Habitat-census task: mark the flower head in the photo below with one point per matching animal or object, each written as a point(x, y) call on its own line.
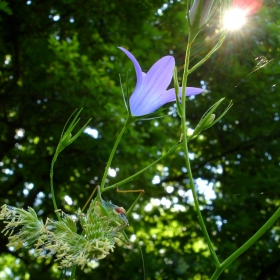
point(26, 224)
point(60, 238)
point(150, 91)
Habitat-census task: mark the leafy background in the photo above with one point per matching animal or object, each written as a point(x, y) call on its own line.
point(57, 56)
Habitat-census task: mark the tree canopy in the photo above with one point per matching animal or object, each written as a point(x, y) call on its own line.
point(61, 55)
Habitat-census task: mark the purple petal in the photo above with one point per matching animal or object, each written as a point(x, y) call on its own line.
point(149, 106)
point(153, 87)
point(139, 73)
point(190, 91)
point(161, 99)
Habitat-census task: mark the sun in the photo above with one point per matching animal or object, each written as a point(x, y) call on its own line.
point(234, 19)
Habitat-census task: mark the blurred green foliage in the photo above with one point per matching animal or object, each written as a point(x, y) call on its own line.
point(57, 56)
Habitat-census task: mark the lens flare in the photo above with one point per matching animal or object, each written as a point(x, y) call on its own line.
point(250, 6)
point(234, 19)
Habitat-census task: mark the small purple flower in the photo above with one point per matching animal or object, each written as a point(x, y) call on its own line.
point(150, 91)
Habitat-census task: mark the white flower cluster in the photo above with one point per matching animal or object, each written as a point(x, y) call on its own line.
point(31, 226)
point(61, 238)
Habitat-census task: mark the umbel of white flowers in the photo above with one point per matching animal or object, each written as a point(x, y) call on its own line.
point(60, 238)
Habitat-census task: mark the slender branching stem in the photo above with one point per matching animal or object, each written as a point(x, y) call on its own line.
point(246, 245)
point(73, 272)
point(171, 150)
point(52, 188)
point(126, 124)
point(185, 147)
point(206, 57)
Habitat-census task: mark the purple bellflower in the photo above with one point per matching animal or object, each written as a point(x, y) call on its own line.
point(150, 91)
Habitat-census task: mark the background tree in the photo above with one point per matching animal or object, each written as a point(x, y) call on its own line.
point(60, 55)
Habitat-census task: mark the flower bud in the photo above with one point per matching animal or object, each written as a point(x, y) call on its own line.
point(209, 119)
point(66, 138)
point(199, 13)
point(204, 123)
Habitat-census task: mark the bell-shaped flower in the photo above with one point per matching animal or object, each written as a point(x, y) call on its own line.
point(150, 91)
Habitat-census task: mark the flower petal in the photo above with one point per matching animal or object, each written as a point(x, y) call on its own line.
point(165, 97)
point(153, 86)
point(137, 67)
point(190, 91)
point(148, 106)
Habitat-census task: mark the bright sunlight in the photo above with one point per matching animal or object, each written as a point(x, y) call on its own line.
point(234, 19)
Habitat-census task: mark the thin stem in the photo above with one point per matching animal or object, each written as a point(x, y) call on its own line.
point(216, 47)
point(73, 272)
point(89, 199)
point(172, 149)
point(126, 124)
point(246, 245)
point(52, 188)
point(188, 165)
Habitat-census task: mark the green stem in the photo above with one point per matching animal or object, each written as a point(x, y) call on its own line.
point(216, 47)
point(52, 188)
point(246, 245)
point(188, 165)
point(126, 124)
point(73, 272)
point(172, 149)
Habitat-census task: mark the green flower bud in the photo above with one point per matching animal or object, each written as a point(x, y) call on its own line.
point(209, 119)
point(66, 138)
point(200, 12)
point(204, 124)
